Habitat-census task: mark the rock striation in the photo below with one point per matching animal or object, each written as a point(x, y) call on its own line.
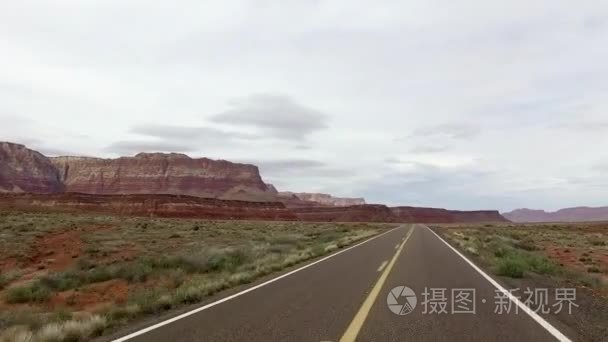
point(160, 173)
point(25, 170)
point(147, 205)
point(437, 215)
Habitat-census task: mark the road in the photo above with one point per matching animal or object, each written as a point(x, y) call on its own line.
point(344, 298)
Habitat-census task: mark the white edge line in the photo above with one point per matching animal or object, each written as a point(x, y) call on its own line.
point(205, 307)
point(551, 329)
point(382, 265)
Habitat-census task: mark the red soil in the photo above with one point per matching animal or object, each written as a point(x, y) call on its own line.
point(56, 251)
point(92, 296)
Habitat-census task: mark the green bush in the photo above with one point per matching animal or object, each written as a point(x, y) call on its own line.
point(511, 267)
point(35, 292)
point(541, 265)
point(515, 263)
point(228, 260)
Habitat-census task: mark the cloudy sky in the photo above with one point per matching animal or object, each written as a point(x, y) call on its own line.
point(462, 104)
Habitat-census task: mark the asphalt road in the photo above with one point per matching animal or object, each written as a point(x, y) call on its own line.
point(344, 298)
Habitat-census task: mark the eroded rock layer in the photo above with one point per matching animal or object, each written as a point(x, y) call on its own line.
point(25, 170)
point(160, 173)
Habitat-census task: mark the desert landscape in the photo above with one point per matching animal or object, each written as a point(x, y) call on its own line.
point(89, 245)
point(326, 171)
point(540, 255)
point(71, 277)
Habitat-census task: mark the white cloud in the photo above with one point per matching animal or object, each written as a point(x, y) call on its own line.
point(278, 115)
point(515, 88)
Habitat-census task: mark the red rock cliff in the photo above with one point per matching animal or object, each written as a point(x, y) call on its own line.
point(25, 170)
point(437, 215)
point(160, 173)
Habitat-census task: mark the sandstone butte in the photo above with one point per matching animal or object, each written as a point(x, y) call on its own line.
point(162, 173)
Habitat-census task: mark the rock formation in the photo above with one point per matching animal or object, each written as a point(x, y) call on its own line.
point(171, 184)
point(25, 170)
point(437, 215)
point(160, 173)
point(323, 199)
point(578, 214)
point(147, 205)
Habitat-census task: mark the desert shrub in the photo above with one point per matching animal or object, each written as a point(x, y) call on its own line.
point(188, 294)
point(285, 239)
point(34, 292)
point(526, 244)
point(193, 263)
point(597, 241)
point(73, 330)
point(500, 249)
point(330, 248)
point(515, 263)
point(7, 277)
point(541, 265)
point(329, 236)
point(227, 260)
point(152, 301)
point(124, 313)
point(16, 334)
point(138, 271)
point(62, 281)
point(593, 269)
point(318, 249)
point(241, 278)
point(511, 267)
point(99, 274)
point(280, 248)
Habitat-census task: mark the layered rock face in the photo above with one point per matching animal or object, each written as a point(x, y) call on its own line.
point(355, 213)
point(437, 215)
point(578, 214)
point(324, 199)
point(160, 173)
point(147, 205)
point(25, 170)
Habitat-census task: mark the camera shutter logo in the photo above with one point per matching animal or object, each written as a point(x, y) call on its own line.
point(401, 300)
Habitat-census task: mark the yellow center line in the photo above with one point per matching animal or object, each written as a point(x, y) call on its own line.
point(351, 333)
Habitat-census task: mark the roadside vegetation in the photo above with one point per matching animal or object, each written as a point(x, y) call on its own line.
point(67, 277)
point(576, 253)
point(546, 256)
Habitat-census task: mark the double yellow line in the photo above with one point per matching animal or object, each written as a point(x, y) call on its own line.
point(355, 326)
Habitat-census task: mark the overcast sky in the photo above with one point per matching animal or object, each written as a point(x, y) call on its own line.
point(460, 104)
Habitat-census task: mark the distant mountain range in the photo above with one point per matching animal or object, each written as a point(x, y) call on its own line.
point(577, 214)
point(176, 185)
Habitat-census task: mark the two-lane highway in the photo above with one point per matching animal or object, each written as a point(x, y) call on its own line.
point(344, 297)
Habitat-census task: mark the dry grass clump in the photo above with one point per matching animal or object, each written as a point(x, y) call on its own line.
point(68, 331)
